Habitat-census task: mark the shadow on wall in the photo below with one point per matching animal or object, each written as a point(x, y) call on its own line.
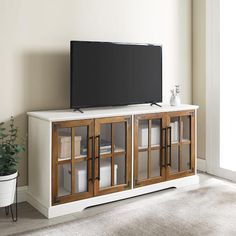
point(45, 85)
point(46, 80)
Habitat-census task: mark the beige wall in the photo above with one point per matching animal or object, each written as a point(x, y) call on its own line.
point(34, 47)
point(199, 70)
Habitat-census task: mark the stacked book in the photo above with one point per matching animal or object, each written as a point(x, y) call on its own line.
point(143, 135)
point(174, 131)
point(65, 147)
point(105, 147)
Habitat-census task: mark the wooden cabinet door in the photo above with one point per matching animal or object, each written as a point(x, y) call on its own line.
point(149, 149)
point(180, 146)
point(112, 154)
point(72, 160)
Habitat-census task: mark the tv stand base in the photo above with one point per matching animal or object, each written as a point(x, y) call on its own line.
point(76, 206)
point(78, 109)
point(154, 103)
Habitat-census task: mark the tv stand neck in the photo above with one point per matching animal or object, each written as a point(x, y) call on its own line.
point(78, 109)
point(154, 103)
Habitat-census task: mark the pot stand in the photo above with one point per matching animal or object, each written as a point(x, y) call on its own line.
point(14, 218)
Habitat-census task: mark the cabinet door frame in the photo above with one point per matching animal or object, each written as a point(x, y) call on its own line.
point(191, 171)
point(55, 163)
point(128, 152)
point(162, 177)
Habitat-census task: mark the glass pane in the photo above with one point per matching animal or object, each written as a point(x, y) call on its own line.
point(143, 134)
point(155, 132)
point(64, 180)
point(142, 165)
point(186, 127)
point(81, 178)
point(105, 172)
point(105, 132)
point(119, 171)
point(81, 141)
point(174, 124)
point(155, 163)
point(174, 159)
point(119, 136)
point(186, 164)
point(64, 144)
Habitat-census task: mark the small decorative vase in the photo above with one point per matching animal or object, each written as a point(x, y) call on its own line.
point(175, 98)
point(172, 100)
point(176, 101)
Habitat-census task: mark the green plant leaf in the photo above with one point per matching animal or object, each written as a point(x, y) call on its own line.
point(9, 148)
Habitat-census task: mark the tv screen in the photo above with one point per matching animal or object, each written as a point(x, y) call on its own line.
point(110, 74)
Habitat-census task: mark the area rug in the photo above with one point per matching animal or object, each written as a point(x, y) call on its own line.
point(207, 210)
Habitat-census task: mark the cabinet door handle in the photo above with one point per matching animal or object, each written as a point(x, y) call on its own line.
point(163, 147)
point(93, 159)
point(99, 155)
point(169, 146)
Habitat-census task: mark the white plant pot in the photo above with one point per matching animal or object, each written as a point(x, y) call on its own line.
point(7, 189)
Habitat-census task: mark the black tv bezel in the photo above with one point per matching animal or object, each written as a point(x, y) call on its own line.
point(120, 104)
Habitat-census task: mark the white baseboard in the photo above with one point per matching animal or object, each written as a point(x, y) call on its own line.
point(36, 204)
point(22, 194)
point(201, 165)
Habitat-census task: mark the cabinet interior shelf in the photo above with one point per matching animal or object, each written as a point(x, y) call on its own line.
point(81, 157)
point(63, 159)
point(117, 151)
point(144, 148)
point(186, 141)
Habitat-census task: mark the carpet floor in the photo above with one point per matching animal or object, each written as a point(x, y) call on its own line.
point(207, 209)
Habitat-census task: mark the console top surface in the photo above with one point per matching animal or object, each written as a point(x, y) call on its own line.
point(91, 113)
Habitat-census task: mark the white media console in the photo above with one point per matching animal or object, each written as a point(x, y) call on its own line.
point(77, 160)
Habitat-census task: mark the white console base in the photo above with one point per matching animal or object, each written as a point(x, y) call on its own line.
point(40, 152)
point(76, 206)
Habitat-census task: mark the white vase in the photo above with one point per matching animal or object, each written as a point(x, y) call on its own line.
point(7, 189)
point(175, 100)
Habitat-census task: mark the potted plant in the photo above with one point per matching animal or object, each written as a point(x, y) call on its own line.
point(9, 156)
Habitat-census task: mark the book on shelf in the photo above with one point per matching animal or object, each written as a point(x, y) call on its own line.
point(174, 131)
point(105, 146)
point(143, 133)
point(65, 147)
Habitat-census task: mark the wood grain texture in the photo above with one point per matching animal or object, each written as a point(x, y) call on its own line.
point(165, 154)
point(94, 130)
point(149, 180)
point(183, 173)
point(127, 137)
point(73, 196)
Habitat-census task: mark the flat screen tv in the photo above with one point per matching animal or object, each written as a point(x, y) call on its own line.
point(112, 74)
